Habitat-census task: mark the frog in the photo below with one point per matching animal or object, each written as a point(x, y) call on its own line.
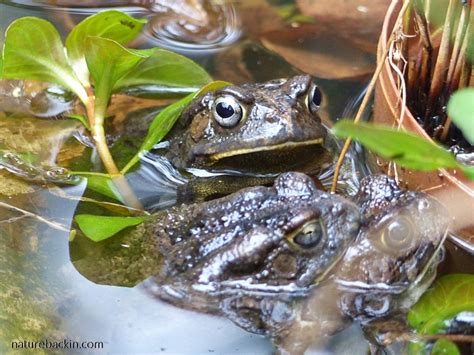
point(383, 272)
point(246, 256)
point(287, 261)
point(241, 136)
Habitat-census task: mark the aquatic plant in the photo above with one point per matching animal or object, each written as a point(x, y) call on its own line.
point(432, 314)
point(94, 64)
point(426, 83)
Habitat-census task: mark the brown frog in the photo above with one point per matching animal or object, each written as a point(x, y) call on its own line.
point(242, 136)
point(383, 272)
point(285, 260)
point(247, 256)
point(249, 125)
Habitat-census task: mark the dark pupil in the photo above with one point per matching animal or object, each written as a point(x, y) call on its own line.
point(309, 239)
point(317, 97)
point(224, 110)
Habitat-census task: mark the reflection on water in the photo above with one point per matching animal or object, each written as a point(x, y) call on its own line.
point(194, 25)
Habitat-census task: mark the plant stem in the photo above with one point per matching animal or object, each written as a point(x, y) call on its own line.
point(367, 96)
point(459, 46)
point(462, 59)
point(96, 122)
point(424, 66)
point(440, 70)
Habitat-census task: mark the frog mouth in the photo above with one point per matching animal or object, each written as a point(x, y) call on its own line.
point(244, 151)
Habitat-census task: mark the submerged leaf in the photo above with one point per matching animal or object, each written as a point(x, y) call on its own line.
point(98, 228)
point(165, 120)
point(33, 51)
point(102, 184)
point(112, 24)
point(165, 68)
point(461, 111)
point(449, 296)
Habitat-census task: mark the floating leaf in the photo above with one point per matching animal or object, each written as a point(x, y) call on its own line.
point(107, 61)
point(33, 51)
point(98, 228)
point(114, 25)
point(449, 296)
point(406, 149)
point(444, 347)
point(165, 68)
point(165, 120)
point(461, 111)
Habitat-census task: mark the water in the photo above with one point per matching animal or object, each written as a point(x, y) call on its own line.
point(60, 300)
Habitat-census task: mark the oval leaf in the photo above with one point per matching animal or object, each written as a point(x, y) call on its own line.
point(164, 121)
point(112, 24)
point(102, 184)
point(107, 61)
point(33, 51)
point(444, 347)
point(461, 111)
point(98, 228)
point(406, 149)
point(165, 68)
point(449, 296)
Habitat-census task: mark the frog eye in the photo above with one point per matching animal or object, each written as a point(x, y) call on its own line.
point(227, 111)
point(310, 235)
point(314, 98)
point(398, 234)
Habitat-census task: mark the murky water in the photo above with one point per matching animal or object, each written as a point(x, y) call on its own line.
point(239, 42)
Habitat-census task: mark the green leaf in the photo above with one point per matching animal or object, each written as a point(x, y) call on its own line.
point(112, 24)
point(81, 119)
point(165, 68)
point(1, 65)
point(444, 347)
point(33, 51)
point(165, 120)
point(107, 61)
point(461, 111)
point(101, 183)
point(98, 228)
point(468, 171)
point(449, 296)
point(406, 149)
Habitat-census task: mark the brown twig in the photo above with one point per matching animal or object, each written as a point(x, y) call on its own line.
point(461, 62)
point(367, 96)
point(459, 48)
point(440, 70)
point(425, 58)
point(454, 81)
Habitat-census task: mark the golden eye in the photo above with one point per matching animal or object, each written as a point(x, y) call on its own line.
point(309, 236)
point(398, 234)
